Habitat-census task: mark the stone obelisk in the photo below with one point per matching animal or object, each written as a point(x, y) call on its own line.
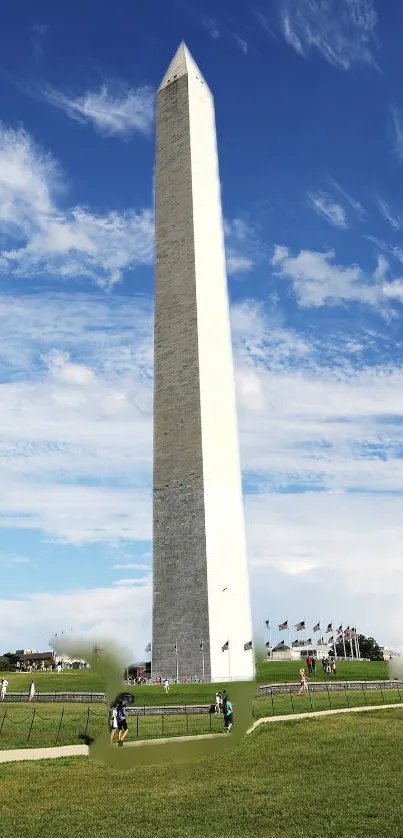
point(201, 598)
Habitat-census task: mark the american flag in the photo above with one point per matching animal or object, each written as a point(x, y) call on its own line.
point(248, 646)
point(201, 647)
point(331, 640)
point(283, 626)
point(225, 647)
point(300, 626)
point(309, 640)
point(267, 623)
point(176, 648)
point(340, 629)
point(317, 627)
point(148, 647)
point(329, 628)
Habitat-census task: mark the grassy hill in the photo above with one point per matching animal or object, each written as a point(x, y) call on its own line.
point(270, 672)
point(334, 777)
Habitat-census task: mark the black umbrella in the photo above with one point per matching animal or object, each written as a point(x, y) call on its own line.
point(124, 698)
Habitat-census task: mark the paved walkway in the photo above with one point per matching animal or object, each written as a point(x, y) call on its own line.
point(19, 755)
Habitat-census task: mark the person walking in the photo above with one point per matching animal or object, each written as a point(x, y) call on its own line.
point(302, 680)
point(166, 685)
point(3, 691)
point(122, 722)
point(217, 702)
point(309, 664)
point(113, 721)
point(31, 692)
point(313, 666)
point(228, 714)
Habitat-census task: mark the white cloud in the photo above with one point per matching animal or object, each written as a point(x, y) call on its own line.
point(47, 239)
point(83, 413)
point(397, 125)
point(114, 110)
point(341, 31)
point(95, 613)
point(332, 212)
point(317, 280)
point(242, 247)
point(237, 264)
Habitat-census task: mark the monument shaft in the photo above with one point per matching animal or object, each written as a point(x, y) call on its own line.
point(201, 596)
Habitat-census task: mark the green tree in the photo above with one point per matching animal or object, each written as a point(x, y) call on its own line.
point(369, 648)
point(12, 658)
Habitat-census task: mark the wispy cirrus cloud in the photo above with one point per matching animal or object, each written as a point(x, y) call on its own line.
point(40, 237)
point(397, 127)
point(116, 109)
point(353, 203)
point(323, 205)
point(242, 245)
point(242, 44)
point(211, 26)
point(395, 221)
point(343, 32)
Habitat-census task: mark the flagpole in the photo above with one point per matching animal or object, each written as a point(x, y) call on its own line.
point(306, 642)
point(334, 642)
point(357, 645)
point(177, 661)
point(289, 639)
point(203, 660)
point(344, 642)
point(269, 637)
point(351, 645)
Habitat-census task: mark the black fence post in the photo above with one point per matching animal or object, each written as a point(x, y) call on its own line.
point(364, 692)
point(272, 702)
point(210, 714)
point(30, 729)
point(381, 691)
point(310, 698)
point(2, 723)
point(328, 694)
point(60, 724)
point(187, 724)
point(162, 724)
point(292, 701)
point(137, 727)
point(346, 692)
point(88, 721)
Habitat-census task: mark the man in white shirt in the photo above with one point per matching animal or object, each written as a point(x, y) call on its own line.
point(3, 691)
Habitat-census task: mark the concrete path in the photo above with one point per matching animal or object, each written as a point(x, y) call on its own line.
point(19, 755)
point(316, 714)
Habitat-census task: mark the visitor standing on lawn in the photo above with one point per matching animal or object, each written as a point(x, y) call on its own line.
point(228, 714)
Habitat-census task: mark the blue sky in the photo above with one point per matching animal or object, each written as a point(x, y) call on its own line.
point(309, 115)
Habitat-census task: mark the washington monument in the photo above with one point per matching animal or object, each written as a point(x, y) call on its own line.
point(201, 599)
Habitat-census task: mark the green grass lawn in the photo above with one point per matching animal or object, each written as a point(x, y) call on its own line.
point(270, 672)
point(62, 723)
point(338, 777)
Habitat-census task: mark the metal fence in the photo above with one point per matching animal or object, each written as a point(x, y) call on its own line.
point(90, 724)
point(161, 722)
